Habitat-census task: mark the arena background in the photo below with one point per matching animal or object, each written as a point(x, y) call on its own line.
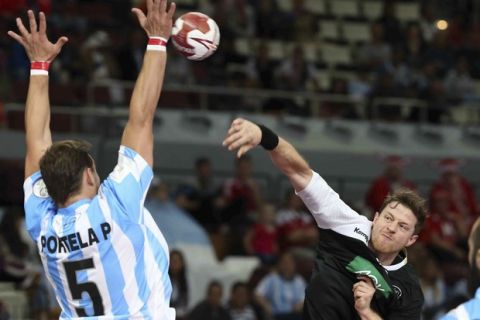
point(350, 83)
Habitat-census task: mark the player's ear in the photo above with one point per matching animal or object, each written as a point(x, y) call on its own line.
point(412, 240)
point(375, 217)
point(90, 176)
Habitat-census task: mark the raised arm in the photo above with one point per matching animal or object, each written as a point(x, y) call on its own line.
point(245, 135)
point(138, 134)
point(41, 53)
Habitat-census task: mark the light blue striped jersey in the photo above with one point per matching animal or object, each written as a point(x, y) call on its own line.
point(105, 257)
point(469, 310)
point(282, 294)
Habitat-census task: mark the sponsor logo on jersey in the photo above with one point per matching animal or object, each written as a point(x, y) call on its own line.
point(363, 267)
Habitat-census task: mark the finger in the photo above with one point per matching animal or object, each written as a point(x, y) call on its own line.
point(171, 10)
point(149, 5)
point(22, 28)
point(162, 5)
point(233, 129)
point(33, 22)
point(232, 137)
point(237, 121)
point(140, 15)
point(43, 22)
point(243, 150)
point(16, 37)
point(60, 42)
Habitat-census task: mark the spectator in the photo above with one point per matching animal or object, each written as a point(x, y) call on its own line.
point(337, 109)
point(445, 232)
point(359, 87)
point(206, 195)
point(281, 292)
point(260, 68)
point(211, 308)
point(461, 195)
point(261, 237)
point(268, 20)
point(390, 23)
point(178, 276)
point(241, 193)
point(414, 46)
point(295, 73)
point(240, 306)
point(375, 52)
point(176, 224)
point(390, 181)
point(428, 21)
point(303, 22)
point(295, 224)
point(459, 83)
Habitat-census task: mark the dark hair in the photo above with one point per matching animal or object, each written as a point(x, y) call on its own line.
point(10, 232)
point(62, 167)
point(212, 284)
point(412, 201)
point(201, 161)
point(239, 284)
point(181, 277)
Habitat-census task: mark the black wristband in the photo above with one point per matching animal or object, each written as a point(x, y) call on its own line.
point(269, 138)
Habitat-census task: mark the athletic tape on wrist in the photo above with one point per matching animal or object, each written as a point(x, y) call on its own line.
point(157, 44)
point(269, 138)
point(39, 68)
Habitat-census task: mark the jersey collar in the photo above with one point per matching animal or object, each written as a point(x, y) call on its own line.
point(73, 207)
point(402, 260)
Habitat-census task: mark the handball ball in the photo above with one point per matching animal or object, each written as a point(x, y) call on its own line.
point(195, 35)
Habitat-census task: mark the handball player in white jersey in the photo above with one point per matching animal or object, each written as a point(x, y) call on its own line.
point(101, 251)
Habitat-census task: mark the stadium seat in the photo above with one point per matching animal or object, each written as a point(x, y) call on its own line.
point(323, 79)
point(328, 29)
point(316, 6)
point(408, 11)
point(285, 5)
point(334, 54)
point(277, 49)
point(344, 8)
point(311, 52)
point(356, 31)
point(243, 46)
point(372, 9)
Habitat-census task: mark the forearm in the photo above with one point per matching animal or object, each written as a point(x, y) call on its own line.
point(138, 133)
point(369, 315)
point(37, 111)
point(148, 87)
point(37, 123)
point(291, 163)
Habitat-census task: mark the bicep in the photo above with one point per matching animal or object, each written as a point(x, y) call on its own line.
point(139, 137)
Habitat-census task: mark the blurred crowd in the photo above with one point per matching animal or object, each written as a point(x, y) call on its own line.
point(234, 217)
point(265, 45)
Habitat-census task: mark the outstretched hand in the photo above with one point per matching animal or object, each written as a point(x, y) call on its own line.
point(243, 135)
point(158, 21)
point(35, 42)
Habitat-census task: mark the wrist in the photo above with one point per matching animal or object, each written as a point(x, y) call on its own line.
point(367, 314)
point(269, 140)
point(157, 44)
point(39, 68)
